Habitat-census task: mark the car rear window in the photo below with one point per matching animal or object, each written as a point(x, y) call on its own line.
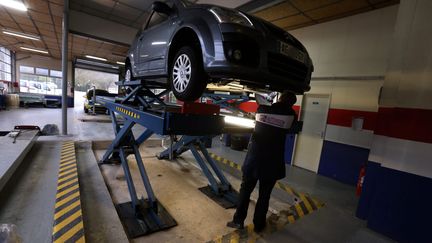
point(187, 3)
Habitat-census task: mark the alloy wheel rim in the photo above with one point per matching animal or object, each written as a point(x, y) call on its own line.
point(128, 75)
point(182, 71)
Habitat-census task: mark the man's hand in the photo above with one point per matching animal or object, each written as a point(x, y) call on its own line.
point(262, 99)
point(270, 97)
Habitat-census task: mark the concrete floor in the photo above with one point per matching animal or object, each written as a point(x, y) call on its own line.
point(25, 203)
point(175, 184)
point(28, 198)
point(335, 222)
point(77, 130)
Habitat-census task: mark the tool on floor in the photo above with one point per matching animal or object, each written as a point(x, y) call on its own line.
point(20, 129)
point(14, 134)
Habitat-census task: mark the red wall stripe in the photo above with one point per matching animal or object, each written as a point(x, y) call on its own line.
point(342, 117)
point(252, 106)
point(248, 106)
point(405, 123)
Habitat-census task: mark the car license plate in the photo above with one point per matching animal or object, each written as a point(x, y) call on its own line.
point(290, 51)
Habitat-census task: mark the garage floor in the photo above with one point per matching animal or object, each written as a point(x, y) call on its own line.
point(175, 184)
point(26, 201)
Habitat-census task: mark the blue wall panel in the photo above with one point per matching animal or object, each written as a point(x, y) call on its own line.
point(400, 206)
point(342, 162)
point(289, 148)
point(370, 184)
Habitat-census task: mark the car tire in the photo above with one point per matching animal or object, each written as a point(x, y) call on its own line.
point(128, 72)
point(187, 77)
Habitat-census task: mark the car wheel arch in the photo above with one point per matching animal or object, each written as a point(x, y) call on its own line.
point(184, 36)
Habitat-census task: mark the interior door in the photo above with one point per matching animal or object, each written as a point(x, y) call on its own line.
point(310, 140)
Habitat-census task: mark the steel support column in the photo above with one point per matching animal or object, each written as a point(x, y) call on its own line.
point(65, 65)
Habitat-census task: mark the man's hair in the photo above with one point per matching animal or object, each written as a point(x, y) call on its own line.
point(288, 98)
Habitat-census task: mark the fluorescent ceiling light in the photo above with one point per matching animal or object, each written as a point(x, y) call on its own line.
point(239, 121)
point(22, 35)
point(35, 50)
point(121, 63)
point(96, 58)
point(235, 85)
point(18, 5)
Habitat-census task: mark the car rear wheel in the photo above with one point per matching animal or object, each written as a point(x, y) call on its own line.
point(187, 77)
point(128, 72)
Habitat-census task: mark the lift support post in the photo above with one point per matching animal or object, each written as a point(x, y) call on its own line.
point(219, 188)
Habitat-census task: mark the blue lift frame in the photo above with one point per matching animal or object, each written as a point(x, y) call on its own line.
point(144, 216)
point(219, 188)
point(223, 101)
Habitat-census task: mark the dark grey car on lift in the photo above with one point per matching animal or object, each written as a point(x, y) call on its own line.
point(184, 46)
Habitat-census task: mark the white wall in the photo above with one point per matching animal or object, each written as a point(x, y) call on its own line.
point(408, 84)
point(361, 95)
point(355, 46)
point(410, 63)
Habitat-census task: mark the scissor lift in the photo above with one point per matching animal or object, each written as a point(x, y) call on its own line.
point(229, 102)
point(144, 107)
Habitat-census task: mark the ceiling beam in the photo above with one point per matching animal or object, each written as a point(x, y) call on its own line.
point(257, 5)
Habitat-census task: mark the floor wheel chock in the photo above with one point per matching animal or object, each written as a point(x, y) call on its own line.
point(226, 200)
point(148, 220)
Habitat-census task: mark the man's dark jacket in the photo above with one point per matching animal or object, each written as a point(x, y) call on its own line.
point(265, 156)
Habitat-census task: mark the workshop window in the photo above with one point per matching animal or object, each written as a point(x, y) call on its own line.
point(40, 80)
point(26, 69)
point(85, 80)
point(42, 71)
point(5, 65)
point(55, 73)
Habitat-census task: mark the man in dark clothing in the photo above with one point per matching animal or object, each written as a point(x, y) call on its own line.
point(264, 161)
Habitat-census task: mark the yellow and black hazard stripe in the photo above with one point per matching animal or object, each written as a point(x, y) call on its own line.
point(128, 112)
point(305, 206)
point(225, 161)
point(304, 200)
point(68, 221)
point(274, 224)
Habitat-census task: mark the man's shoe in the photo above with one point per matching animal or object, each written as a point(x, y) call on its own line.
point(259, 228)
point(235, 225)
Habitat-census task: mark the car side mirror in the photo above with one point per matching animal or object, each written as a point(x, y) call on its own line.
point(162, 7)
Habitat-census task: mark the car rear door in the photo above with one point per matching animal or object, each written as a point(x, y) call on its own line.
point(154, 43)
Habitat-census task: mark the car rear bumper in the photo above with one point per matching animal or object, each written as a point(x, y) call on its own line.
point(262, 65)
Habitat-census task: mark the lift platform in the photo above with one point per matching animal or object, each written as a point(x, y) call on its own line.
point(144, 107)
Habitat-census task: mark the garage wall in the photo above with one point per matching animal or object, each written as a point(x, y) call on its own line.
point(399, 174)
point(350, 56)
point(354, 46)
point(42, 62)
point(346, 148)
